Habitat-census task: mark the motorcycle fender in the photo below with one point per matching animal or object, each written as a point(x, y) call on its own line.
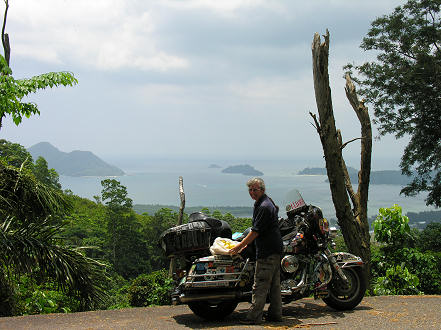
point(346, 260)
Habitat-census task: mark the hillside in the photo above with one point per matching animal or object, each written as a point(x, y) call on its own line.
point(75, 163)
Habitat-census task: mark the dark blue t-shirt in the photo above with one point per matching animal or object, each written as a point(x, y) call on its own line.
point(265, 223)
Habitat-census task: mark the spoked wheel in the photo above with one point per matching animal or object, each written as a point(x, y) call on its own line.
point(346, 296)
point(213, 310)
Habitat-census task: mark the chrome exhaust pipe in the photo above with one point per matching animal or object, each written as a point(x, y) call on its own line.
point(230, 295)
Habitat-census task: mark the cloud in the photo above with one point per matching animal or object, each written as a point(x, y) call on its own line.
point(105, 35)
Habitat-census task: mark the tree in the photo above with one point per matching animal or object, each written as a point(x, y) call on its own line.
point(12, 91)
point(115, 195)
point(128, 250)
point(45, 175)
point(29, 240)
point(152, 227)
point(352, 220)
point(15, 154)
point(27, 199)
point(404, 87)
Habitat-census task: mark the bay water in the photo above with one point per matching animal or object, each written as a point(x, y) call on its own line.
point(157, 182)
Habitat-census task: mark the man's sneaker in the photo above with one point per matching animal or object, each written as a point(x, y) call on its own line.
point(270, 318)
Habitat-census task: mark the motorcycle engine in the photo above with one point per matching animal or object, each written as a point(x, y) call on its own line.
point(290, 264)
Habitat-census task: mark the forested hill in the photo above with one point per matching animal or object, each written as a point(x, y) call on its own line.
point(237, 211)
point(377, 177)
point(75, 163)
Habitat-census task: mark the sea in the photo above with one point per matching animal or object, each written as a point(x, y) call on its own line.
point(157, 182)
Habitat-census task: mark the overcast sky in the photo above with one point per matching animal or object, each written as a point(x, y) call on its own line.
point(212, 79)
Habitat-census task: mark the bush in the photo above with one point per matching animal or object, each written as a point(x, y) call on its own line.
point(397, 267)
point(151, 289)
point(43, 298)
point(397, 281)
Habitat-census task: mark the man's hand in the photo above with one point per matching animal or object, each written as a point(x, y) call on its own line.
point(242, 245)
point(235, 250)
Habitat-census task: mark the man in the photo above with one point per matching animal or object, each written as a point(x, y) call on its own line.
point(266, 235)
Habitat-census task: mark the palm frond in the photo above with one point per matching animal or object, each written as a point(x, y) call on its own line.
point(32, 246)
point(24, 197)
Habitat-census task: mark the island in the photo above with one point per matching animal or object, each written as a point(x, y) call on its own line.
point(377, 177)
point(242, 169)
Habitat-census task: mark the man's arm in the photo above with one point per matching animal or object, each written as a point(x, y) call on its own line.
point(247, 240)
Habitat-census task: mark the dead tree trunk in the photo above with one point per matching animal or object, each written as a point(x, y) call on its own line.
point(352, 220)
point(172, 266)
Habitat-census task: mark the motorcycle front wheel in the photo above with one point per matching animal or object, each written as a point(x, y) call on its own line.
point(346, 296)
point(212, 310)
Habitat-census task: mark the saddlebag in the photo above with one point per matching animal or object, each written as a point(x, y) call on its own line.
point(194, 237)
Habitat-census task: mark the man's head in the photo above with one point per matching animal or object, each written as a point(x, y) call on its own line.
point(256, 188)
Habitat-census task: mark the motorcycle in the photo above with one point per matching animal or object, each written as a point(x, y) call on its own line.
point(212, 286)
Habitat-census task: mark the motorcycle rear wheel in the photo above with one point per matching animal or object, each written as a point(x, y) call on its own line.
point(213, 311)
point(346, 297)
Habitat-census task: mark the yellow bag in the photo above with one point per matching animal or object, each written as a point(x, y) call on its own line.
point(222, 246)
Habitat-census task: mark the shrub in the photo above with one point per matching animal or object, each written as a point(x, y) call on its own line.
point(397, 281)
point(398, 267)
point(151, 289)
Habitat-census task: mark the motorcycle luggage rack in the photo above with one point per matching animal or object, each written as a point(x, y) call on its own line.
point(220, 280)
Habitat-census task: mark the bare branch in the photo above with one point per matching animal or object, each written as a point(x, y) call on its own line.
point(317, 125)
point(346, 143)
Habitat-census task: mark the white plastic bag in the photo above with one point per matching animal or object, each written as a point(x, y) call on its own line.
point(222, 246)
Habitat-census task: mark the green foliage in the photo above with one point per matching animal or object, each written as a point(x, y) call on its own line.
point(85, 225)
point(26, 198)
point(430, 238)
point(151, 289)
point(152, 227)
point(396, 258)
point(32, 248)
point(397, 281)
point(115, 195)
point(15, 154)
point(118, 293)
point(128, 249)
point(403, 86)
point(340, 244)
point(391, 227)
point(44, 298)
point(12, 91)
point(45, 175)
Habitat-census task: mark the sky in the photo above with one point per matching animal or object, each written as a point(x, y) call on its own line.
point(207, 79)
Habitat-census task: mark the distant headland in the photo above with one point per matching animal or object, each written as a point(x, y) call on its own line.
point(75, 163)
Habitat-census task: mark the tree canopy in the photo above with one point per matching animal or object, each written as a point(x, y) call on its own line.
point(404, 86)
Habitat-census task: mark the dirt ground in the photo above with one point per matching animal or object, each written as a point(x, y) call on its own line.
point(387, 312)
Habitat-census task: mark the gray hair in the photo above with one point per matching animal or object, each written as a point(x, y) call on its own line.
point(257, 181)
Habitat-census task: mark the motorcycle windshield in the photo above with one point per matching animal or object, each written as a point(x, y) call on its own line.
point(294, 201)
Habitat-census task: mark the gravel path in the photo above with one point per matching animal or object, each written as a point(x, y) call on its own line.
point(388, 312)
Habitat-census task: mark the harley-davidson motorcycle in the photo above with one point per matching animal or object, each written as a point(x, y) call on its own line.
point(213, 285)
